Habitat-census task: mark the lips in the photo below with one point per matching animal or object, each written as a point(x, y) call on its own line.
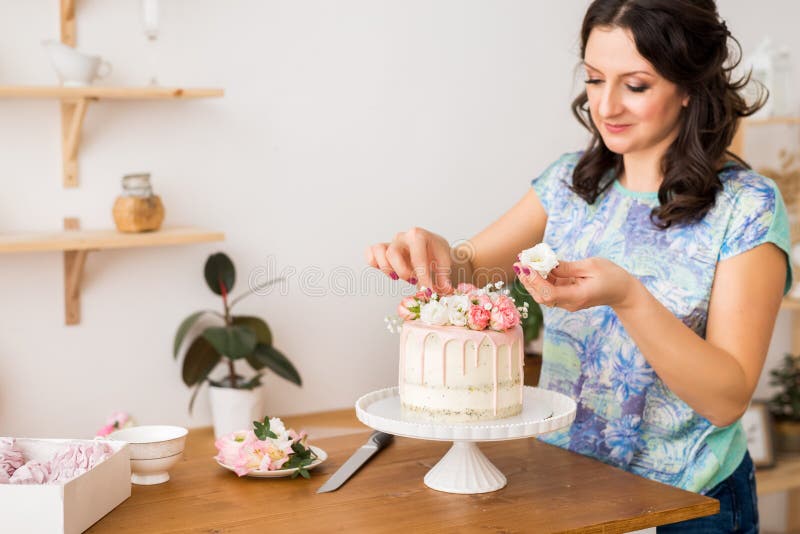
point(616, 128)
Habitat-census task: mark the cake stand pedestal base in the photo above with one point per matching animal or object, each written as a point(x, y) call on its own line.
point(465, 469)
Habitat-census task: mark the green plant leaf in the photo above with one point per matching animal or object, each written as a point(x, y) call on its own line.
point(184, 328)
point(200, 360)
point(219, 269)
point(271, 358)
point(194, 396)
point(233, 341)
point(257, 325)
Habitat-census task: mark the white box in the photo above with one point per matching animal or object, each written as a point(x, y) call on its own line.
point(72, 507)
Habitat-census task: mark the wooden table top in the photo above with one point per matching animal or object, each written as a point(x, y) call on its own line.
point(549, 490)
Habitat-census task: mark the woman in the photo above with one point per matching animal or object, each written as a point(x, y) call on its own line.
point(675, 257)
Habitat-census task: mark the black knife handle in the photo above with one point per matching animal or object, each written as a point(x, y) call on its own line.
point(380, 439)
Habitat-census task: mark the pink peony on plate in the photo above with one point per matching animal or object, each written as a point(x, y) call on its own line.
point(321, 457)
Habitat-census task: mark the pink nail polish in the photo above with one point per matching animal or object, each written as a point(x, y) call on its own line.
point(526, 270)
point(412, 280)
point(393, 275)
point(516, 269)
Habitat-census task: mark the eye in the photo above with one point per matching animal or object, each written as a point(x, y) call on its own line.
point(638, 88)
point(593, 81)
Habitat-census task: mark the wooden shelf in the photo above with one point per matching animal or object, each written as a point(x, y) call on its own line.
point(103, 239)
point(112, 93)
point(75, 244)
point(773, 120)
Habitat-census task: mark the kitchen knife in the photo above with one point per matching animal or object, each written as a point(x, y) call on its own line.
point(376, 442)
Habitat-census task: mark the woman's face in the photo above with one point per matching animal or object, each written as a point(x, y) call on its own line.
point(632, 106)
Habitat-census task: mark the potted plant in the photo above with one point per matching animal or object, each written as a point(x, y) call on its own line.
point(785, 404)
point(235, 399)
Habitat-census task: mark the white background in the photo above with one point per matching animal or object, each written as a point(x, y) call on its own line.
point(343, 122)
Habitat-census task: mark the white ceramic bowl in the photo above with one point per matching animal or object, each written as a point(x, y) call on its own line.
point(154, 450)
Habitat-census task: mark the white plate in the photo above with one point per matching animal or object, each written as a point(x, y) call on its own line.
point(542, 411)
point(321, 457)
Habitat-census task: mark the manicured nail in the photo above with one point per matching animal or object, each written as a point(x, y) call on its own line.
point(412, 280)
point(393, 275)
point(526, 270)
point(516, 269)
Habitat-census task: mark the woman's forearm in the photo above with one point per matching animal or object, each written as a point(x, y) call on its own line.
point(707, 378)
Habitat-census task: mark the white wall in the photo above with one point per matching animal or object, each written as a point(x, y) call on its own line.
point(343, 122)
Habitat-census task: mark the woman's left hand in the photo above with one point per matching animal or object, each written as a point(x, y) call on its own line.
point(576, 285)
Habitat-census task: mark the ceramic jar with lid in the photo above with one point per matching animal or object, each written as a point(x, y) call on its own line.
point(137, 209)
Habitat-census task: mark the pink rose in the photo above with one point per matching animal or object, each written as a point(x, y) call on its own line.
point(228, 447)
point(483, 299)
point(266, 455)
point(298, 438)
point(504, 316)
point(465, 289)
point(33, 472)
point(424, 295)
point(478, 317)
point(408, 309)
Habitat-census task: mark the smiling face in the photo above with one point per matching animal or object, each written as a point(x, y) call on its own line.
point(635, 109)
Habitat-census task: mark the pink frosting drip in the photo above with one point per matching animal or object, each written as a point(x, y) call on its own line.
point(450, 333)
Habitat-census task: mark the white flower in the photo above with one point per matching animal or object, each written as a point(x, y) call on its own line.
point(487, 306)
point(540, 258)
point(457, 309)
point(433, 313)
point(498, 285)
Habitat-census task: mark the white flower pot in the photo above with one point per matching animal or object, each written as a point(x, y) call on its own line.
point(235, 409)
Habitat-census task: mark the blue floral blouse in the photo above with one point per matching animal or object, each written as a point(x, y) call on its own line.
point(626, 416)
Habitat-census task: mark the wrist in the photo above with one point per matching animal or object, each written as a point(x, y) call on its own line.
point(631, 297)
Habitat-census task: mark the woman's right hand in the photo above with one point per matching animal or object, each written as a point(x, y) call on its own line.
point(416, 256)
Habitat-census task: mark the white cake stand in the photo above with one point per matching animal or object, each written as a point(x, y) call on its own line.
point(465, 469)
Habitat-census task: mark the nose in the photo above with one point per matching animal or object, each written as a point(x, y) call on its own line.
point(610, 102)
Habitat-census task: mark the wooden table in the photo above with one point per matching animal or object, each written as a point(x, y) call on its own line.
point(549, 490)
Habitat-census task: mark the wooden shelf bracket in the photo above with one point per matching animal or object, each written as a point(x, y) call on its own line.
point(74, 261)
point(72, 115)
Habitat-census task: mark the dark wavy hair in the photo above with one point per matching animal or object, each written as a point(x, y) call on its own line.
point(687, 43)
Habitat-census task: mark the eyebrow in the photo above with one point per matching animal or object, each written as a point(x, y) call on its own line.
point(626, 74)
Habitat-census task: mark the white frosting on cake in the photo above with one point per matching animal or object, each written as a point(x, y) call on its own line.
point(450, 373)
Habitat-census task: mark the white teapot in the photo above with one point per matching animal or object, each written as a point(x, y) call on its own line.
point(74, 68)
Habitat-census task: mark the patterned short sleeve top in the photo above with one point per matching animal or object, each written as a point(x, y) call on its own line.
point(626, 416)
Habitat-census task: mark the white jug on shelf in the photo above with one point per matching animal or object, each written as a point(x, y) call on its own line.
point(75, 69)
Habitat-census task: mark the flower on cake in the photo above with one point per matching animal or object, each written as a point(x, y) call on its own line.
point(268, 447)
point(539, 258)
point(469, 306)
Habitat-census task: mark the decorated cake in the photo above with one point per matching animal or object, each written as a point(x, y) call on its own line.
point(461, 355)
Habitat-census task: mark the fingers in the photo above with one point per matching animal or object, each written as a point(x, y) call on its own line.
point(553, 291)
point(398, 257)
point(379, 260)
point(418, 250)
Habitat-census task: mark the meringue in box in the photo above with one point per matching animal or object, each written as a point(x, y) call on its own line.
point(70, 506)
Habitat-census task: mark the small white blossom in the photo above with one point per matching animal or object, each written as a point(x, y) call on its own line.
point(498, 284)
point(540, 258)
point(487, 306)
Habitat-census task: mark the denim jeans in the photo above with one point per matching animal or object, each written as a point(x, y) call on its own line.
point(738, 506)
